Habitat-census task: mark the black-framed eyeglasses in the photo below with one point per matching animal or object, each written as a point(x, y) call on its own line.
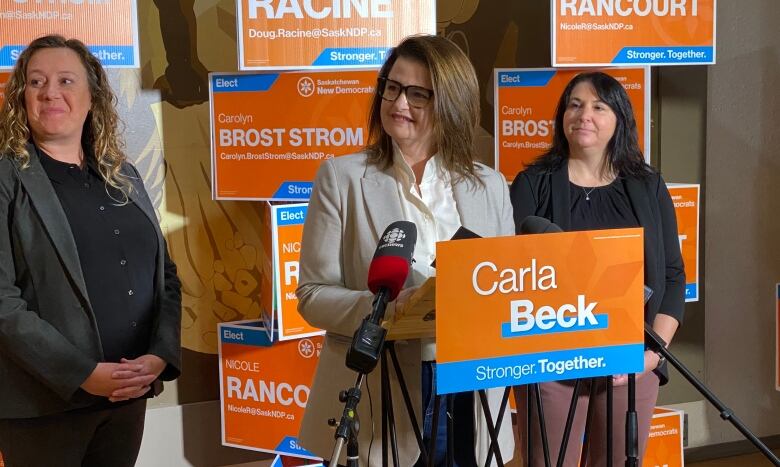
point(416, 96)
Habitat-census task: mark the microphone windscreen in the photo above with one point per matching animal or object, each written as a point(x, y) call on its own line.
point(389, 272)
point(538, 225)
point(392, 258)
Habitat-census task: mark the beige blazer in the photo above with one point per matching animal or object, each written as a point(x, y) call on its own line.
point(351, 204)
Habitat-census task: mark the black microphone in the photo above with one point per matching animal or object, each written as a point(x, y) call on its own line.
point(538, 225)
point(386, 276)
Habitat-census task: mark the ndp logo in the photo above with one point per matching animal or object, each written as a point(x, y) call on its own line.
point(394, 236)
point(307, 349)
point(306, 86)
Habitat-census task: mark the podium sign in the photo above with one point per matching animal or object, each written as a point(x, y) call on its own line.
point(264, 387)
point(525, 111)
point(686, 208)
point(270, 132)
point(108, 28)
point(651, 32)
point(536, 308)
point(297, 34)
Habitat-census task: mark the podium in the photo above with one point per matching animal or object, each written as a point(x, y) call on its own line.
point(519, 310)
point(417, 318)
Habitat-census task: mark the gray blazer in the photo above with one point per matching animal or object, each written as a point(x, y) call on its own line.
point(351, 204)
point(49, 341)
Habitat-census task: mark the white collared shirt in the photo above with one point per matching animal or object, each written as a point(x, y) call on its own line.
point(433, 210)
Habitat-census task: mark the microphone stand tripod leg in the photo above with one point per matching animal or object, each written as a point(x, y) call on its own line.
point(610, 433)
point(492, 431)
point(388, 417)
point(391, 418)
point(390, 348)
point(529, 394)
point(569, 422)
point(542, 424)
point(589, 421)
point(385, 388)
point(632, 435)
point(502, 411)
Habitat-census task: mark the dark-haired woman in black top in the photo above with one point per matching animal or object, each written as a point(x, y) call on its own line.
point(595, 177)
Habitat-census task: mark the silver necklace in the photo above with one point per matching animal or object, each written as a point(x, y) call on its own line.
point(588, 192)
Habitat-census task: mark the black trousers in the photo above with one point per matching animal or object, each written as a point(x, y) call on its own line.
point(88, 438)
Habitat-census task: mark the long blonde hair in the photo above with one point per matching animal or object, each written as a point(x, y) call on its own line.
point(101, 128)
point(455, 104)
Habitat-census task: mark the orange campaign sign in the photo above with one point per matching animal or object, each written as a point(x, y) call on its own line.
point(632, 32)
point(271, 131)
point(3, 80)
point(264, 387)
point(686, 207)
point(287, 461)
point(299, 34)
point(525, 101)
point(281, 313)
point(550, 307)
point(109, 28)
point(665, 443)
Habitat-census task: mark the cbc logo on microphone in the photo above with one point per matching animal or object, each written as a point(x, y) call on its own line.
point(394, 236)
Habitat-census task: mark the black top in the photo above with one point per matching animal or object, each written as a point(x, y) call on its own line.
point(603, 207)
point(117, 249)
point(548, 193)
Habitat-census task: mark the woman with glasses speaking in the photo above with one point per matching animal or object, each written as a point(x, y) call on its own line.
point(419, 166)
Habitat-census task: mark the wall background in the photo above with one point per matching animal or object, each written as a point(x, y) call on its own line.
point(743, 228)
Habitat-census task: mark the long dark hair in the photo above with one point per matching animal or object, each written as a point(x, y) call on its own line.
point(624, 157)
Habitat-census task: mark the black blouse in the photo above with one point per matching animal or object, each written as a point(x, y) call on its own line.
point(117, 248)
point(603, 207)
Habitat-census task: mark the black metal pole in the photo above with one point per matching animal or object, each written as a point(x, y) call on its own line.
point(589, 420)
point(529, 394)
point(502, 411)
point(390, 348)
point(492, 429)
point(542, 426)
point(353, 452)
point(569, 422)
point(657, 344)
point(610, 415)
point(632, 430)
point(347, 429)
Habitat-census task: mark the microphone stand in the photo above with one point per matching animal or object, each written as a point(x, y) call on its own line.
point(363, 355)
point(349, 426)
point(657, 344)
